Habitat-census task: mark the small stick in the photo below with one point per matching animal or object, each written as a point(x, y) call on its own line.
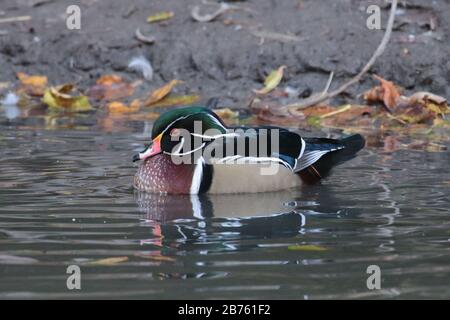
point(15, 19)
point(320, 98)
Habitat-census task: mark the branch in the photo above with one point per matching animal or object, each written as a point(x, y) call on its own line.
point(322, 97)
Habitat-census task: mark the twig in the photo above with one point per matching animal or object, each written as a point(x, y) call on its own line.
point(322, 97)
point(333, 113)
point(327, 87)
point(276, 36)
point(15, 19)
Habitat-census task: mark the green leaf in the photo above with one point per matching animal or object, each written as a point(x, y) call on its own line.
point(307, 247)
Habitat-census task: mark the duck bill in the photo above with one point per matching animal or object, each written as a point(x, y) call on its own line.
point(152, 150)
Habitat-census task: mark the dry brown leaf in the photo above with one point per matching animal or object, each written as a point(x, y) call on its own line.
point(390, 93)
point(177, 101)
point(110, 87)
point(119, 107)
point(33, 85)
point(432, 102)
point(387, 92)
point(161, 93)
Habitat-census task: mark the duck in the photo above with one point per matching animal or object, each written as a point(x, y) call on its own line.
point(192, 151)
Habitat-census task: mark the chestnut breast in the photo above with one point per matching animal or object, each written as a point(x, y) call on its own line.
point(159, 174)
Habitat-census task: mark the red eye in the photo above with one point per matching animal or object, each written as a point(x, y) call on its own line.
point(175, 132)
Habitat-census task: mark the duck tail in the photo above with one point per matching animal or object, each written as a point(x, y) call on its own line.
point(322, 167)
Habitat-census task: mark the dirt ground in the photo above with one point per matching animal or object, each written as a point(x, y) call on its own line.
point(231, 55)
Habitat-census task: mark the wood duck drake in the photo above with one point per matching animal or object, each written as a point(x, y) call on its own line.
point(193, 152)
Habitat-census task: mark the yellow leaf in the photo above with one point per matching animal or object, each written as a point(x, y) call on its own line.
point(226, 113)
point(161, 93)
point(272, 81)
point(108, 261)
point(307, 247)
point(156, 257)
point(177, 101)
point(59, 98)
point(119, 107)
point(160, 16)
point(32, 85)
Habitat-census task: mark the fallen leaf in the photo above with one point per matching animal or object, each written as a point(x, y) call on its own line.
point(161, 93)
point(108, 261)
point(119, 107)
point(110, 87)
point(307, 247)
point(387, 92)
point(142, 38)
point(160, 16)
point(272, 81)
point(109, 79)
point(226, 113)
point(177, 101)
point(58, 98)
point(195, 13)
point(33, 85)
point(432, 102)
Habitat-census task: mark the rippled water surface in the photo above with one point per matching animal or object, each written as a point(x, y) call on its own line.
point(66, 199)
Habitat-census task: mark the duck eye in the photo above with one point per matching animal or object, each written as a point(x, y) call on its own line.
point(175, 132)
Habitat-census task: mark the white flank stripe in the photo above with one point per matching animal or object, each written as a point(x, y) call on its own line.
point(197, 177)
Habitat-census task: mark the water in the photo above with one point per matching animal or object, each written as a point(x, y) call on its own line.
point(66, 198)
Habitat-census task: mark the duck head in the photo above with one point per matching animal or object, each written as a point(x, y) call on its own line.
point(171, 126)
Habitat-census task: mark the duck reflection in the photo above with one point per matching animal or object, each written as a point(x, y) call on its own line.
point(205, 224)
point(222, 217)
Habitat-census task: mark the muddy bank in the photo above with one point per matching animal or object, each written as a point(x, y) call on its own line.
point(230, 56)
